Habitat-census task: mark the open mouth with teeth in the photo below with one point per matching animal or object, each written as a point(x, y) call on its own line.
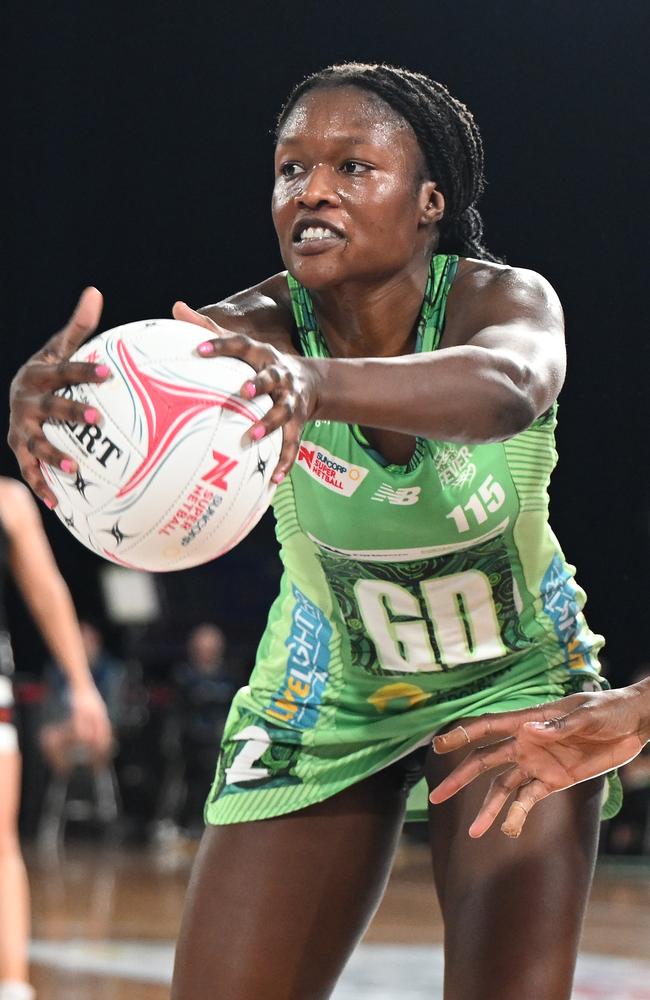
point(312, 234)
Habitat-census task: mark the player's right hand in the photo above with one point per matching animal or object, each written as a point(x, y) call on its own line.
point(32, 400)
point(291, 380)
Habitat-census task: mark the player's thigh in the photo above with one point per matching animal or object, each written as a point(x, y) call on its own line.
point(275, 907)
point(513, 908)
point(10, 766)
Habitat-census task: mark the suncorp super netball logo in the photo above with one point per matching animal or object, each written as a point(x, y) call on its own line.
point(329, 470)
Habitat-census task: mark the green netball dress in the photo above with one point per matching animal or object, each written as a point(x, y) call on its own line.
point(412, 595)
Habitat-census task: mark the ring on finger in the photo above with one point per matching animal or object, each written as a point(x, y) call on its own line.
point(465, 734)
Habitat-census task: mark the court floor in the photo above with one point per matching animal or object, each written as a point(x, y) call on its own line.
point(105, 921)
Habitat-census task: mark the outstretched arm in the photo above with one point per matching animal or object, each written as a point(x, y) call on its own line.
point(501, 367)
point(544, 749)
point(48, 598)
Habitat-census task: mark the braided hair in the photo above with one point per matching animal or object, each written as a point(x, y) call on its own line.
point(446, 133)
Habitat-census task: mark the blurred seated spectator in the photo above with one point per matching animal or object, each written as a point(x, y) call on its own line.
point(57, 737)
point(205, 683)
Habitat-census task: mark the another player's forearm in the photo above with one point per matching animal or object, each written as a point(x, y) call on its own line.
point(55, 616)
point(464, 394)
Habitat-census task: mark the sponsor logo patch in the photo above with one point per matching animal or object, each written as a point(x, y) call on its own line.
point(329, 470)
point(559, 594)
point(298, 699)
point(399, 695)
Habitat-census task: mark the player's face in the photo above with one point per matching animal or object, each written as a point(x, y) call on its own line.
point(349, 202)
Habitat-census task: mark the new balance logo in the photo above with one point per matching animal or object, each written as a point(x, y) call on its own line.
point(217, 475)
point(403, 497)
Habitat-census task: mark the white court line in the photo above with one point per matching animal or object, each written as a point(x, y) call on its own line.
point(375, 972)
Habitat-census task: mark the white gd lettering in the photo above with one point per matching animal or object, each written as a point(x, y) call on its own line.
point(460, 609)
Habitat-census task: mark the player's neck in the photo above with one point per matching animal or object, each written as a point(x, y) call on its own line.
point(363, 320)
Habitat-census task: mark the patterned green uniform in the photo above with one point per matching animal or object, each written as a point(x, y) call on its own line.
point(411, 596)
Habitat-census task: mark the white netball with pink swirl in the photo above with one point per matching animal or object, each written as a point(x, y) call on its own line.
point(169, 478)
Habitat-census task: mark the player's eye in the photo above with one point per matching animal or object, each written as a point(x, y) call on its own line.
point(354, 167)
point(291, 169)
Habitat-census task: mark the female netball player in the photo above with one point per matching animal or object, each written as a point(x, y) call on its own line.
point(415, 380)
point(26, 554)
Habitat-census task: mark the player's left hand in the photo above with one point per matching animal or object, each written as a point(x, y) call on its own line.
point(290, 381)
point(540, 750)
point(89, 720)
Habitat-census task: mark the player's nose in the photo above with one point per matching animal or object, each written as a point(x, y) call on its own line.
point(319, 188)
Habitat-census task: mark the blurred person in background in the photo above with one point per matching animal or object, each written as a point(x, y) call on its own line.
point(26, 554)
point(206, 684)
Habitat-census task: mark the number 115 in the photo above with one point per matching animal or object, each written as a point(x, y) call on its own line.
point(489, 497)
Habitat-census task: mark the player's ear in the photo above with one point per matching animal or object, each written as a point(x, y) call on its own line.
point(432, 203)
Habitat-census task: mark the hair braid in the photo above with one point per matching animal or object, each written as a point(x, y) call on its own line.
point(446, 133)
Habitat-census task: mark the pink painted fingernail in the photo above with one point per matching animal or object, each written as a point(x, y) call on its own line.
point(102, 371)
point(67, 465)
point(206, 347)
point(249, 390)
point(258, 432)
point(278, 477)
point(48, 503)
point(91, 415)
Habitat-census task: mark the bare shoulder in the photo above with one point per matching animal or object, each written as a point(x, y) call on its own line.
point(263, 312)
point(476, 277)
point(487, 294)
point(17, 506)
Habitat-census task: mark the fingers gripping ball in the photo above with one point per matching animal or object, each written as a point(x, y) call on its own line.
point(168, 476)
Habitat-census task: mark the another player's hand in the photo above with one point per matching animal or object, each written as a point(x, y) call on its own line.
point(288, 379)
point(33, 402)
point(541, 750)
point(89, 719)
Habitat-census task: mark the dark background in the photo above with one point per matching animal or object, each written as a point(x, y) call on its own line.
point(137, 141)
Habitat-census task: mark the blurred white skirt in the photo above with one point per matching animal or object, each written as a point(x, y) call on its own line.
point(8, 734)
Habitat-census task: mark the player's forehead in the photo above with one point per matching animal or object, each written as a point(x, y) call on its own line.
point(343, 113)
